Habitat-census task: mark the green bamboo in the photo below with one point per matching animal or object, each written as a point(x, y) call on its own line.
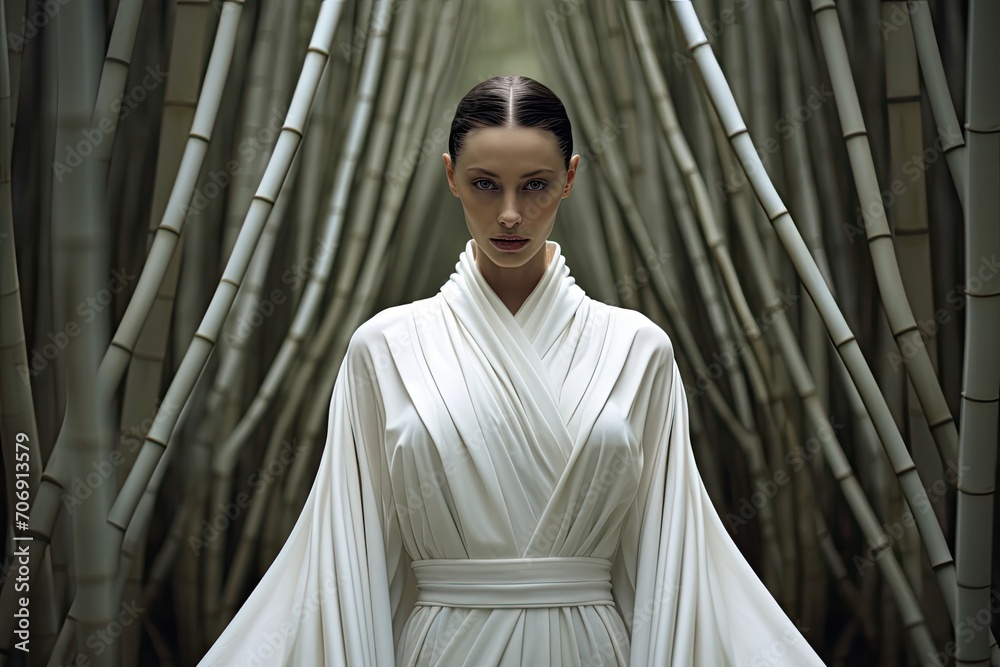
point(977, 453)
point(260, 102)
point(225, 456)
point(695, 184)
point(194, 361)
point(633, 201)
point(872, 463)
point(18, 425)
point(908, 217)
point(132, 546)
point(314, 175)
point(145, 372)
point(177, 544)
point(261, 493)
point(949, 131)
point(226, 395)
point(779, 432)
point(227, 155)
point(833, 452)
point(801, 184)
point(624, 93)
point(14, 18)
point(760, 112)
point(841, 270)
point(893, 296)
point(757, 467)
point(650, 200)
point(844, 340)
point(78, 240)
point(724, 264)
point(168, 233)
point(113, 77)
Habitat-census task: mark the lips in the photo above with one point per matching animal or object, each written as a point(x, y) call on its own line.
point(509, 243)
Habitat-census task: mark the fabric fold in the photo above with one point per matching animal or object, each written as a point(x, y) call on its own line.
point(460, 431)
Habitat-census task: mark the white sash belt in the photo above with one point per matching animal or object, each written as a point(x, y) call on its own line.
point(490, 583)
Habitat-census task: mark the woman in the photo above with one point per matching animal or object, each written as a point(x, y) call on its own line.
point(508, 477)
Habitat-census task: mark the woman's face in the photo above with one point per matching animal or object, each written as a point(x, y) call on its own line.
point(510, 182)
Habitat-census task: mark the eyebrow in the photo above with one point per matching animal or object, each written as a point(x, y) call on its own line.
point(490, 173)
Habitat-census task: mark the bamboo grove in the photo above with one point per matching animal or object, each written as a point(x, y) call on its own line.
point(203, 199)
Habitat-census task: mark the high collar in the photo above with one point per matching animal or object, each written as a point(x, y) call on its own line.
point(546, 312)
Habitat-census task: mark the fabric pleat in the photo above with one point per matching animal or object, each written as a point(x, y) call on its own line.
point(460, 430)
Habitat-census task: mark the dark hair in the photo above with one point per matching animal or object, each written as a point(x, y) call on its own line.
point(511, 101)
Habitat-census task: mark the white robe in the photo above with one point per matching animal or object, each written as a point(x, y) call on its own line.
point(461, 431)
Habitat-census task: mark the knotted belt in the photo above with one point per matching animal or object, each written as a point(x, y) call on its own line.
point(490, 583)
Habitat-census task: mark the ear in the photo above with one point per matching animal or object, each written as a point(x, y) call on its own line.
point(571, 175)
point(449, 172)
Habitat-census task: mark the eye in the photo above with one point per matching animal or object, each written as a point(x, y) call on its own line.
point(535, 185)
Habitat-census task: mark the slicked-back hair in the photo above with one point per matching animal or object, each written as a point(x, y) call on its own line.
point(511, 101)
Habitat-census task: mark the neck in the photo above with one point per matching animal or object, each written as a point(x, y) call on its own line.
point(514, 285)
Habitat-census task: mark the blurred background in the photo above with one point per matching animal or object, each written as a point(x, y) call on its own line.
point(202, 200)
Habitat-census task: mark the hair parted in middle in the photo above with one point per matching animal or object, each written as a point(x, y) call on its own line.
point(511, 101)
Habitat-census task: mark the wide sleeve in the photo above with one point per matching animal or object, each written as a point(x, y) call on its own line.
point(686, 593)
point(340, 589)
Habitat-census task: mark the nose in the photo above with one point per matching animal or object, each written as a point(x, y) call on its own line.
point(509, 215)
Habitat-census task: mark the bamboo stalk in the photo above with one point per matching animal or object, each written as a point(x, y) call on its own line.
point(695, 184)
point(132, 545)
point(312, 179)
point(840, 270)
point(78, 240)
point(226, 394)
point(168, 233)
point(580, 40)
point(224, 458)
point(981, 368)
point(113, 77)
point(753, 451)
point(949, 131)
point(253, 117)
point(780, 433)
point(145, 372)
point(624, 94)
point(760, 110)
point(872, 463)
point(202, 241)
point(193, 363)
point(226, 377)
point(844, 340)
point(635, 200)
point(14, 18)
point(894, 302)
point(802, 186)
point(833, 451)
point(18, 425)
point(908, 217)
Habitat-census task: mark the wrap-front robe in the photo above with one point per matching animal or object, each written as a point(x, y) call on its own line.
point(533, 474)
